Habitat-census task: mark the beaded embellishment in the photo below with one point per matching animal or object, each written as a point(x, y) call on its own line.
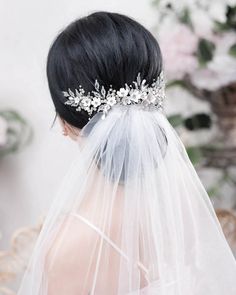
point(101, 100)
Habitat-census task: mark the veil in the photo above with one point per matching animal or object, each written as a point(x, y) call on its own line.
point(131, 217)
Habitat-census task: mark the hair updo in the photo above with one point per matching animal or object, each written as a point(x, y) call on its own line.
point(109, 47)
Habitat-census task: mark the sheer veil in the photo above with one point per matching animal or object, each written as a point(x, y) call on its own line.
point(131, 217)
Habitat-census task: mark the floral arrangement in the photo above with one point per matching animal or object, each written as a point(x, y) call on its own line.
point(14, 132)
point(198, 43)
point(198, 39)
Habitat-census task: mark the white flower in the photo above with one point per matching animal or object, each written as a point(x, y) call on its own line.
point(176, 5)
point(224, 41)
point(203, 25)
point(126, 100)
point(122, 92)
point(86, 102)
point(76, 99)
point(231, 2)
point(111, 100)
point(201, 12)
point(151, 98)
point(3, 131)
point(96, 101)
point(135, 95)
point(105, 108)
point(221, 71)
point(87, 109)
point(217, 11)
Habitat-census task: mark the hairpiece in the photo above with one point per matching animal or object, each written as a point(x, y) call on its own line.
point(100, 100)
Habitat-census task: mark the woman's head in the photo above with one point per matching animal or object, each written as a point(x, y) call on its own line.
point(109, 47)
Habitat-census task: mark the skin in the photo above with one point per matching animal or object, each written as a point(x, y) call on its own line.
point(69, 130)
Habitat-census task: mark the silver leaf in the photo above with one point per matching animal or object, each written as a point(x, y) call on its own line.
point(71, 93)
point(103, 91)
point(96, 85)
point(65, 93)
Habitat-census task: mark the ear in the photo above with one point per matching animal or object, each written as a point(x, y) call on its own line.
point(65, 132)
point(73, 131)
point(63, 126)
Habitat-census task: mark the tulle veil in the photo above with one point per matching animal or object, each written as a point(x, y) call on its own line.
point(131, 217)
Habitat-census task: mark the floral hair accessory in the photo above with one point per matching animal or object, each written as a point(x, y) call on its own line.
point(101, 100)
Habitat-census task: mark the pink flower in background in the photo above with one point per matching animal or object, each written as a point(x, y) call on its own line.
point(3, 131)
point(178, 44)
point(224, 41)
point(202, 24)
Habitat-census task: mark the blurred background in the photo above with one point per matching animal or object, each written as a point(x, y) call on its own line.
point(198, 42)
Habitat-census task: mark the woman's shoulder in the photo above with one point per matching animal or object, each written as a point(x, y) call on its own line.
point(70, 250)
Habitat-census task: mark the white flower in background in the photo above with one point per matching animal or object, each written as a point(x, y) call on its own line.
point(214, 9)
point(178, 44)
point(224, 66)
point(230, 2)
point(224, 41)
point(217, 10)
point(202, 24)
point(3, 131)
point(221, 71)
point(178, 6)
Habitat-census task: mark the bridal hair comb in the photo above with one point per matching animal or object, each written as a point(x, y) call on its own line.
point(101, 100)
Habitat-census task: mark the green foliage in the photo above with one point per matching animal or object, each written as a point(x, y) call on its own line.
point(230, 23)
point(185, 17)
point(198, 121)
point(155, 2)
point(231, 17)
point(195, 154)
point(173, 83)
point(226, 177)
point(205, 51)
point(213, 191)
point(176, 120)
point(232, 50)
point(19, 133)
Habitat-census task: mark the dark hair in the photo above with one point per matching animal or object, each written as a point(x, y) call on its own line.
point(109, 47)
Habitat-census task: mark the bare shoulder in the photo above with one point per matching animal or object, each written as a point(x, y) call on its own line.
point(73, 236)
point(69, 251)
